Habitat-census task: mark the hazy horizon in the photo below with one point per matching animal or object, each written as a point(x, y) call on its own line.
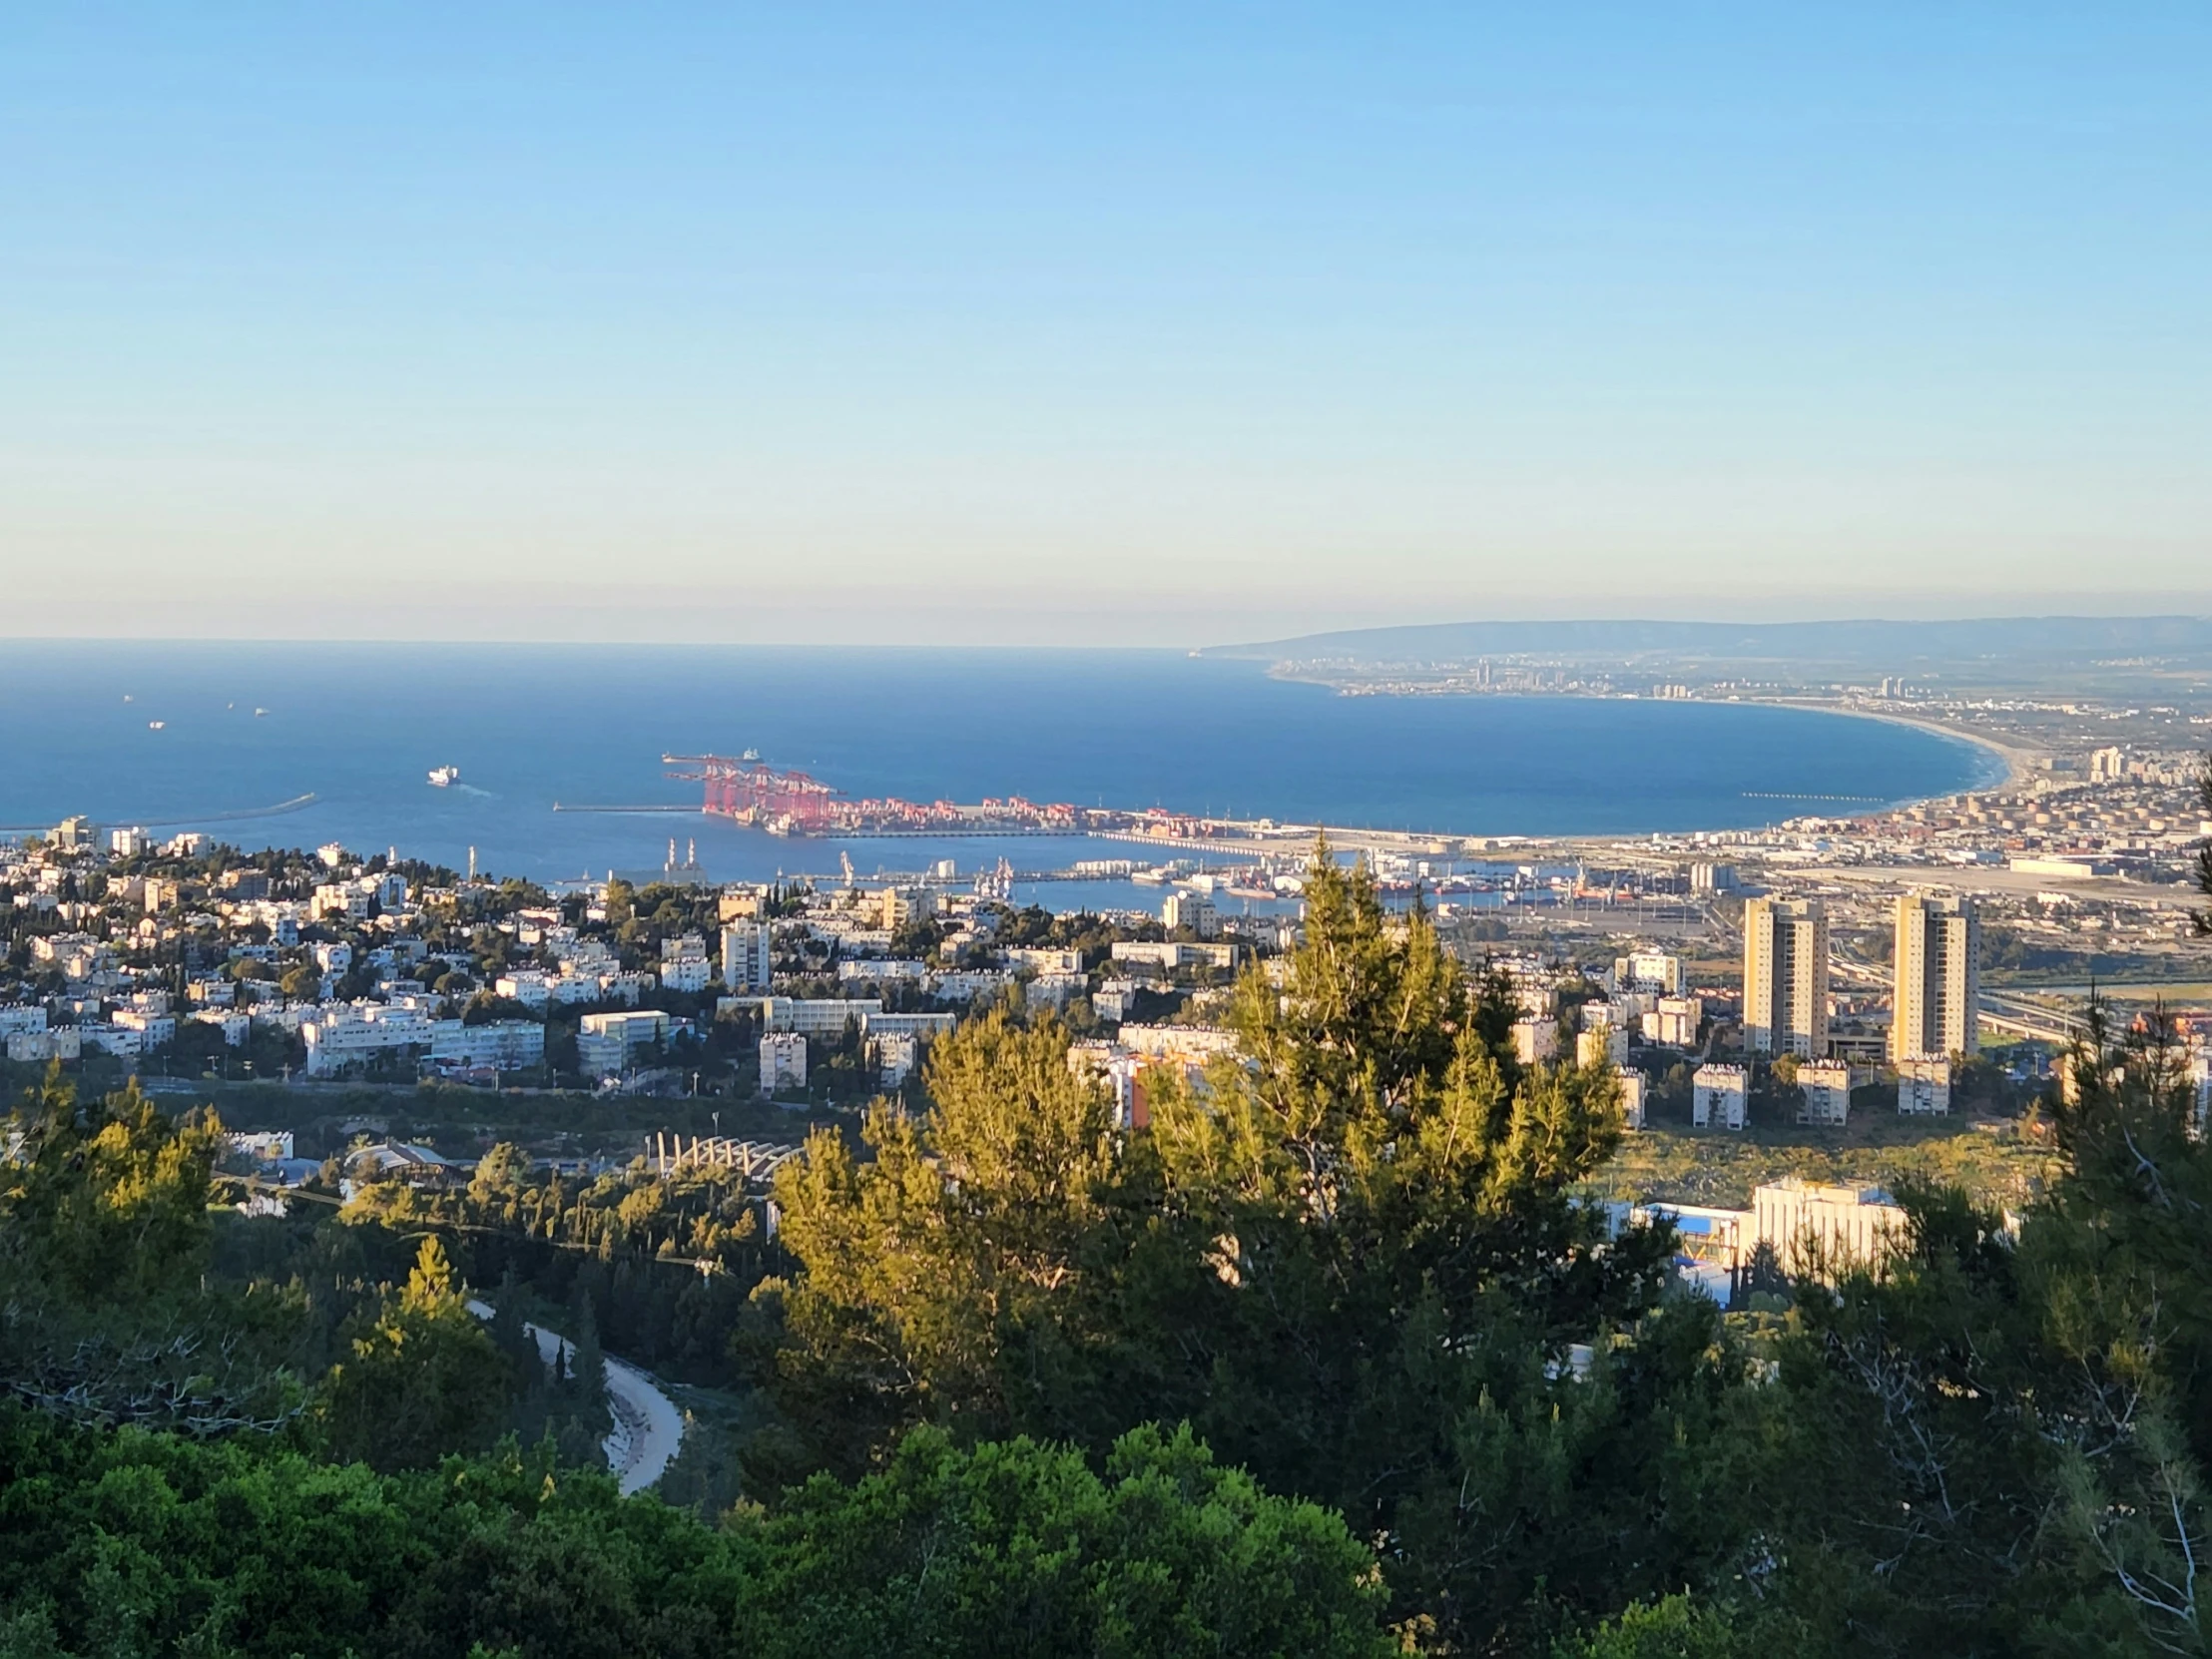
point(992, 327)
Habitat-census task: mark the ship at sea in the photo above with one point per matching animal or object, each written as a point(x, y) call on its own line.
point(444, 777)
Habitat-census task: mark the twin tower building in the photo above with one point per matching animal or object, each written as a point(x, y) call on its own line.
point(1936, 965)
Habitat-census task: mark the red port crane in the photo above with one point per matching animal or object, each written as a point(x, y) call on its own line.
point(754, 793)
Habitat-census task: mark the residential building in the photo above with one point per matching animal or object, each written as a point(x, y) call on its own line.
point(964, 987)
point(37, 1047)
point(1654, 970)
point(346, 1035)
point(502, 1044)
point(1786, 977)
point(1923, 1087)
point(1115, 1000)
point(236, 1028)
point(1173, 954)
point(529, 987)
point(1827, 1086)
point(156, 1030)
point(1810, 1226)
point(1053, 989)
point(1938, 977)
point(1193, 910)
point(1536, 1041)
point(1719, 1095)
point(882, 970)
point(1042, 959)
point(745, 964)
point(783, 1062)
point(810, 1017)
point(1632, 1095)
point(896, 1054)
point(1602, 1045)
point(1122, 1072)
point(913, 1024)
point(690, 974)
point(1675, 1022)
point(608, 1044)
point(683, 964)
point(23, 1019)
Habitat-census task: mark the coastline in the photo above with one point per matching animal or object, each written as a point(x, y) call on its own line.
point(2019, 762)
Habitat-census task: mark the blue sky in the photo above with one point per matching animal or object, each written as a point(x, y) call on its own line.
point(1148, 324)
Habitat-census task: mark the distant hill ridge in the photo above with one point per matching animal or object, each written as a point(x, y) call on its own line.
point(1953, 641)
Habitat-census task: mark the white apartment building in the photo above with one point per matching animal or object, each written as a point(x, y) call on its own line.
point(1602, 1045)
point(783, 1062)
point(1536, 1041)
point(1115, 1000)
point(1786, 977)
point(154, 1031)
point(503, 1044)
point(896, 1054)
point(1720, 1096)
point(37, 1047)
point(816, 1016)
point(1827, 1086)
point(1193, 910)
point(1653, 970)
point(913, 1024)
point(882, 970)
point(1938, 977)
point(1675, 1021)
point(966, 986)
point(1809, 1225)
point(1042, 959)
point(1170, 953)
point(21, 1020)
point(527, 986)
point(607, 1044)
point(1923, 1088)
point(745, 956)
point(690, 974)
point(346, 1035)
point(1632, 1095)
point(236, 1028)
point(1053, 989)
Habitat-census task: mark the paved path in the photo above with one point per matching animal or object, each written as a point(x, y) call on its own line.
point(648, 1427)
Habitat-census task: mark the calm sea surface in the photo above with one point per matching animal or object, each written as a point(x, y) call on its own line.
point(359, 726)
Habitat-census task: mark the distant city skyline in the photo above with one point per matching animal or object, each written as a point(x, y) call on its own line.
point(993, 325)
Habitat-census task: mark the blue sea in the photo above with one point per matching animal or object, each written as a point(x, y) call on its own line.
point(358, 726)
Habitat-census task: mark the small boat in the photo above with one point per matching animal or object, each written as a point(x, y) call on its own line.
point(749, 755)
point(156, 725)
point(258, 713)
point(444, 777)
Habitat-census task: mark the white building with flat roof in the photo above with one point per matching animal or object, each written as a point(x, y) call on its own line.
point(1923, 1088)
point(1812, 1226)
point(1827, 1086)
point(783, 1062)
point(503, 1044)
point(1675, 1022)
point(1632, 1095)
point(1536, 1041)
point(346, 1035)
point(608, 1044)
point(1720, 1097)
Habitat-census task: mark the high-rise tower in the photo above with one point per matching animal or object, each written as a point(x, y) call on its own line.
point(1786, 977)
point(1938, 977)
